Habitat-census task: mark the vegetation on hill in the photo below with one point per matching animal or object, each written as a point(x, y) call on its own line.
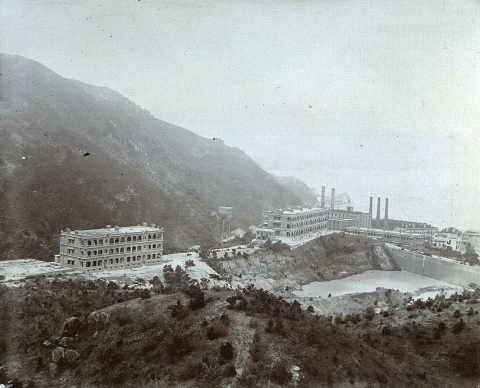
point(77, 156)
point(185, 335)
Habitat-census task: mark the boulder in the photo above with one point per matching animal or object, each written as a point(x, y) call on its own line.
point(71, 326)
point(53, 369)
point(65, 341)
point(71, 356)
point(47, 343)
point(98, 320)
point(58, 354)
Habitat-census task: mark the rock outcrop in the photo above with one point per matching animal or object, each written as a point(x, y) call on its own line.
point(71, 326)
point(58, 354)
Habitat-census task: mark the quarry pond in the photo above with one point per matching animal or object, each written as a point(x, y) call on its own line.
point(402, 281)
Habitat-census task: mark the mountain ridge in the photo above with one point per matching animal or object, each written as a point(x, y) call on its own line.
point(81, 156)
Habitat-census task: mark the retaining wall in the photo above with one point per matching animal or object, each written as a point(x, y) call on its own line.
point(436, 268)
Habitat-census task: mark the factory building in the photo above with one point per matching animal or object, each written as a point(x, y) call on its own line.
point(111, 248)
point(404, 240)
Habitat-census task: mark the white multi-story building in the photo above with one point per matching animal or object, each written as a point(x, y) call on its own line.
point(111, 248)
point(448, 241)
point(292, 222)
point(343, 219)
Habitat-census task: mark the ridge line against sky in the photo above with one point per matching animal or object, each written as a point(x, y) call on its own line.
point(374, 98)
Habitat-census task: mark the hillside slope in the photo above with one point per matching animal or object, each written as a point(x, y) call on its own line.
point(330, 257)
point(79, 156)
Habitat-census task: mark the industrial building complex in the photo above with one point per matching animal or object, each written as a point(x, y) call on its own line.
point(111, 247)
point(306, 222)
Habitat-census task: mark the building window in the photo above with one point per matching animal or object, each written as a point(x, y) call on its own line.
point(71, 241)
point(71, 250)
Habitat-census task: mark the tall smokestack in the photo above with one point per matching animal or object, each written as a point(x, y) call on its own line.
point(332, 201)
point(323, 197)
point(377, 222)
point(370, 209)
point(385, 221)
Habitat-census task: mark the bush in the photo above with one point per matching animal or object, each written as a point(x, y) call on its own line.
point(177, 347)
point(458, 327)
point(464, 359)
point(229, 371)
point(280, 373)
point(387, 330)
point(369, 313)
point(145, 294)
point(216, 330)
point(226, 351)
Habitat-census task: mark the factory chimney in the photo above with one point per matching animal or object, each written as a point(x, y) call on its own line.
point(332, 200)
point(322, 205)
point(385, 220)
point(377, 222)
point(370, 209)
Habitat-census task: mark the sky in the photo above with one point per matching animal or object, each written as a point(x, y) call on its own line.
point(375, 98)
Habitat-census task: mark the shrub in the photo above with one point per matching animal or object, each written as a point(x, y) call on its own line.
point(229, 371)
point(216, 330)
point(457, 313)
point(369, 313)
point(387, 330)
point(280, 373)
point(464, 359)
point(177, 347)
point(145, 294)
point(226, 351)
point(458, 326)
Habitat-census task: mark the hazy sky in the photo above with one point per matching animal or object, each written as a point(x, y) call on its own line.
point(373, 97)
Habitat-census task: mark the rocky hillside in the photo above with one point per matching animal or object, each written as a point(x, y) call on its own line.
point(78, 156)
point(331, 257)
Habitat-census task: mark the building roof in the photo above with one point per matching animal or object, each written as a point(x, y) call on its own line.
point(294, 210)
point(104, 231)
point(390, 232)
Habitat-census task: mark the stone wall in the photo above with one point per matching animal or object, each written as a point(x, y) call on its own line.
point(436, 268)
